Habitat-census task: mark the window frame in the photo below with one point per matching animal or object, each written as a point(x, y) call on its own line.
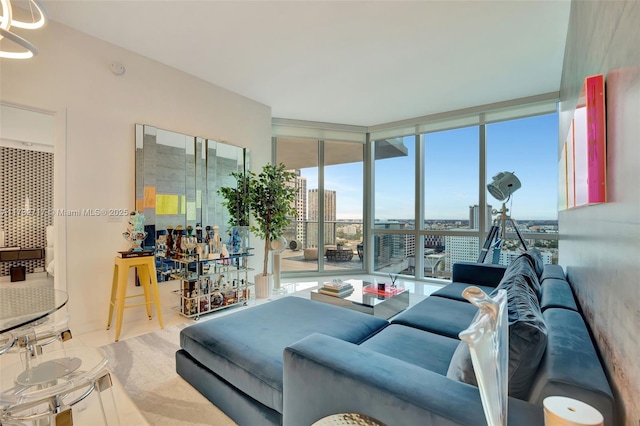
point(417, 127)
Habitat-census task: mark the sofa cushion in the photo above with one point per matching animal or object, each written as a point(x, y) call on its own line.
point(483, 274)
point(552, 271)
point(417, 347)
point(527, 340)
point(557, 294)
point(571, 366)
point(438, 315)
point(454, 291)
point(245, 347)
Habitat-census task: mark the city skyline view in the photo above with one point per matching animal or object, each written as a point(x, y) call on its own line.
point(527, 147)
point(450, 197)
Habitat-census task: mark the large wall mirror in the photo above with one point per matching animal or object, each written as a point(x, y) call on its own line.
point(178, 176)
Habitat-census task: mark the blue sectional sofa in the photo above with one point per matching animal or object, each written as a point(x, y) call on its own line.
point(294, 361)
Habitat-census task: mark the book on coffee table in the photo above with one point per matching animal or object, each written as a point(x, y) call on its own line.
point(342, 291)
point(336, 284)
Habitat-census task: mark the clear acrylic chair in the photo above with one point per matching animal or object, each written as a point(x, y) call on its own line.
point(54, 385)
point(28, 342)
point(488, 340)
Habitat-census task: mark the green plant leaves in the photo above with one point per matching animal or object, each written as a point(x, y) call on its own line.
point(236, 200)
point(272, 196)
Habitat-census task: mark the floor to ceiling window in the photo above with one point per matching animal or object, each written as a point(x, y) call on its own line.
point(527, 147)
point(327, 234)
point(394, 204)
point(343, 205)
point(426, 204)
point(451, 199)
point(301, 156)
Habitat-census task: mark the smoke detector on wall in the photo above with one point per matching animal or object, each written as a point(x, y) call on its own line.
point(117, 68)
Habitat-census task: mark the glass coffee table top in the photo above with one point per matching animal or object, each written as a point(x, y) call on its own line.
point(366, 292)
point(366, 298)
point(23, 305)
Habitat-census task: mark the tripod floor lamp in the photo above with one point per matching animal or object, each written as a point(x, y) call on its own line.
point(501, 187)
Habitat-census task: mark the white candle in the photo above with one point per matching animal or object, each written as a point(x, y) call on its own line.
point(562, 411)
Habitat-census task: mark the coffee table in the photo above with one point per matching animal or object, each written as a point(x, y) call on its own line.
point(382, 305)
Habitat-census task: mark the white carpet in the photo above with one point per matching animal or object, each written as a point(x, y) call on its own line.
point(146, 368)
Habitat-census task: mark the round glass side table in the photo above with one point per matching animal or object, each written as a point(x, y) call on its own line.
point(22, 305)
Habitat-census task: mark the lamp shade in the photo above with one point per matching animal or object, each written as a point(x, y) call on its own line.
point(503, 185)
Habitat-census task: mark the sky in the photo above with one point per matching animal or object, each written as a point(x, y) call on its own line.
point(527, 147)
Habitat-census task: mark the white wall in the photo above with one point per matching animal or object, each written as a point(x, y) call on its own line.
point(96, 112)
point(600, 245)
point(26, 129)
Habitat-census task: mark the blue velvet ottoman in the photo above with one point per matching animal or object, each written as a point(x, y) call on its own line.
point(236, 360)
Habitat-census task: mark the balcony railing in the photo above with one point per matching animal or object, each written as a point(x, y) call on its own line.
point(394, 250)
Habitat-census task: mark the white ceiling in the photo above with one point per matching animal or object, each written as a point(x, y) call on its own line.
point(351, 62)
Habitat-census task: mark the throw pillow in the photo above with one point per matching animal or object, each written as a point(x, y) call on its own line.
point(527, 335)
point(460, 366)
point(521, 267)
point(527, 341)
point(535, 257)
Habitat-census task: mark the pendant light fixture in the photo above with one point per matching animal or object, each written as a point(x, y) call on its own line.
point(37, 19)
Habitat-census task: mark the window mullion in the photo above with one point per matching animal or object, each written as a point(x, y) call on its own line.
point(482, 178)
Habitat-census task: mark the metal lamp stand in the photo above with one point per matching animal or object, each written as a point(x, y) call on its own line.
point(497, 233)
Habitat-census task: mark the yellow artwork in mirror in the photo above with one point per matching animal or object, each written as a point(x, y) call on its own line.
point(166, 204)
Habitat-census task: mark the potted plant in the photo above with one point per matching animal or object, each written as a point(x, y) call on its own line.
point(272, 195)
point(236, 200)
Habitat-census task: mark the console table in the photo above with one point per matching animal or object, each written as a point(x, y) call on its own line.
point(8, 254)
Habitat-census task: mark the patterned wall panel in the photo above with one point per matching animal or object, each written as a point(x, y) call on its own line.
point(25, 175)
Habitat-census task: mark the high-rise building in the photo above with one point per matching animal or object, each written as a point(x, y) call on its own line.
point(435, 242)
point(474, 217)
point(314, 217)
point(507, 256)
point(296, 229)
point(460, 249)
point(409, 245)
point(390, 247)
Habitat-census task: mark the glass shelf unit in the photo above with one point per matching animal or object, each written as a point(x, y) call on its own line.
point(208, 285)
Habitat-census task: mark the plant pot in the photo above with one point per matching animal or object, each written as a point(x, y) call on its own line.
point(264, 285)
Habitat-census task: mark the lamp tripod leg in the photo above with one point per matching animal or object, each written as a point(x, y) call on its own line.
point(515, 227)
point(497, 248)
point(493, 234)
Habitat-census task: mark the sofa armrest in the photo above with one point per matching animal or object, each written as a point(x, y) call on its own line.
point(324, 375)
point(486, 274)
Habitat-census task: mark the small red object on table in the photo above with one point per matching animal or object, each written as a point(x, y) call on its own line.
point(389, 291)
